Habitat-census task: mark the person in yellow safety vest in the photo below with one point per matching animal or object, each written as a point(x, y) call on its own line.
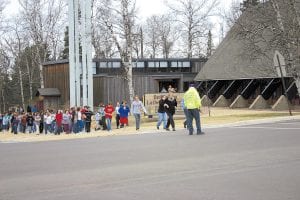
point(192, 102)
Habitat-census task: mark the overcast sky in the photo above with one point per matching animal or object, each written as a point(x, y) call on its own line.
point(149, 7)
point(145, 8)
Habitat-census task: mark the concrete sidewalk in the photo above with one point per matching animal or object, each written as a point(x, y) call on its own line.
point(218, 117)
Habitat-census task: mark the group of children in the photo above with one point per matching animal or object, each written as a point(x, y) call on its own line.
point(104, 115)
point(73, 120)
point(50, 121)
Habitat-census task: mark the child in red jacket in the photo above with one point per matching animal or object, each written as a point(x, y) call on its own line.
point(109, 109)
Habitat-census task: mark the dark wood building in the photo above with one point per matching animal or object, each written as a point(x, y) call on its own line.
point(149, 76)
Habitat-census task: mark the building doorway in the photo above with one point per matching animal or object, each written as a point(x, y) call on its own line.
point(164, 85)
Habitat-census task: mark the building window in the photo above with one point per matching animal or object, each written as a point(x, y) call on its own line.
point(163, 64)
point(139, 64)
point(186, 64)
point(174, 64)
point(151, 64)
point(103, 65)
point(116, 64)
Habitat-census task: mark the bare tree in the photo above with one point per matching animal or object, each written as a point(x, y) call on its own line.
point(120, 23)
point(30, 70)
point(15, 44)
point(102, 40)
point(4, 74)
point(2, 6)
point(230, 16)
point(273, 25)
point(193, 17)
point(288, 22)
point(209, 44)
point(165, 34)
point(138, 42)
point(152, 35)
point(43, 20)
point(160, 35)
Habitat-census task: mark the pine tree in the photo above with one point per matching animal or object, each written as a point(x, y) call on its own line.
point(65, 52)
point(209, 44)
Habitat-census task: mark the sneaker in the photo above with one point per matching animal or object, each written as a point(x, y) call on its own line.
point(200, 133)
point(174, 129)
point(157, 127)
point(190, 133)
point(167, 129)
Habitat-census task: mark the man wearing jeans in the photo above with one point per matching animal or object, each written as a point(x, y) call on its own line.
point(192, 103)
point(162, 117)
point(136, 108)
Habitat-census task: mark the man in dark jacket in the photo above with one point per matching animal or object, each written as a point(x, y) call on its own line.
point(88, 119)
point(162, 117)
point(170, 106)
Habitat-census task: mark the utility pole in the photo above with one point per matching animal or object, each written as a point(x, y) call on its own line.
point(80, 70)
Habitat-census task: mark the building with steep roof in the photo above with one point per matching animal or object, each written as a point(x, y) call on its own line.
point(241, 71)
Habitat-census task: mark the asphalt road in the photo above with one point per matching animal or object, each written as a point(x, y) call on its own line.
point(249, 162)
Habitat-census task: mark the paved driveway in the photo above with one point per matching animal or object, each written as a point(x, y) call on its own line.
point(255, 162)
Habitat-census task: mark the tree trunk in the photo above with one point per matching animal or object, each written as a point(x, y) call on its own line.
point(3, 100)
point(29, 79)
point(190, 44)
point(2, 97)
point(21, 85)
point(128, 54)
point(153, 50)
point(20, 72)
point(40, 63)
point(129, 79)
point(142, 43)
point(190, 32)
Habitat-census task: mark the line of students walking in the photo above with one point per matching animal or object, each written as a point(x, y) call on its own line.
point(77, 119)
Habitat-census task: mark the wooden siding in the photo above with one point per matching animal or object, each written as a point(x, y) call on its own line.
point(57, 76)
point(109, 88)
point(114, 88)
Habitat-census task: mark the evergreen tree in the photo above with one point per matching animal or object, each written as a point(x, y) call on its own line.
point(65, 52)
point(209, 44)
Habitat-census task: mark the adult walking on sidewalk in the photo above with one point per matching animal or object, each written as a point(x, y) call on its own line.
point(136, 108)
point(162, 117)
point(170, 105)
point(192, 103)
